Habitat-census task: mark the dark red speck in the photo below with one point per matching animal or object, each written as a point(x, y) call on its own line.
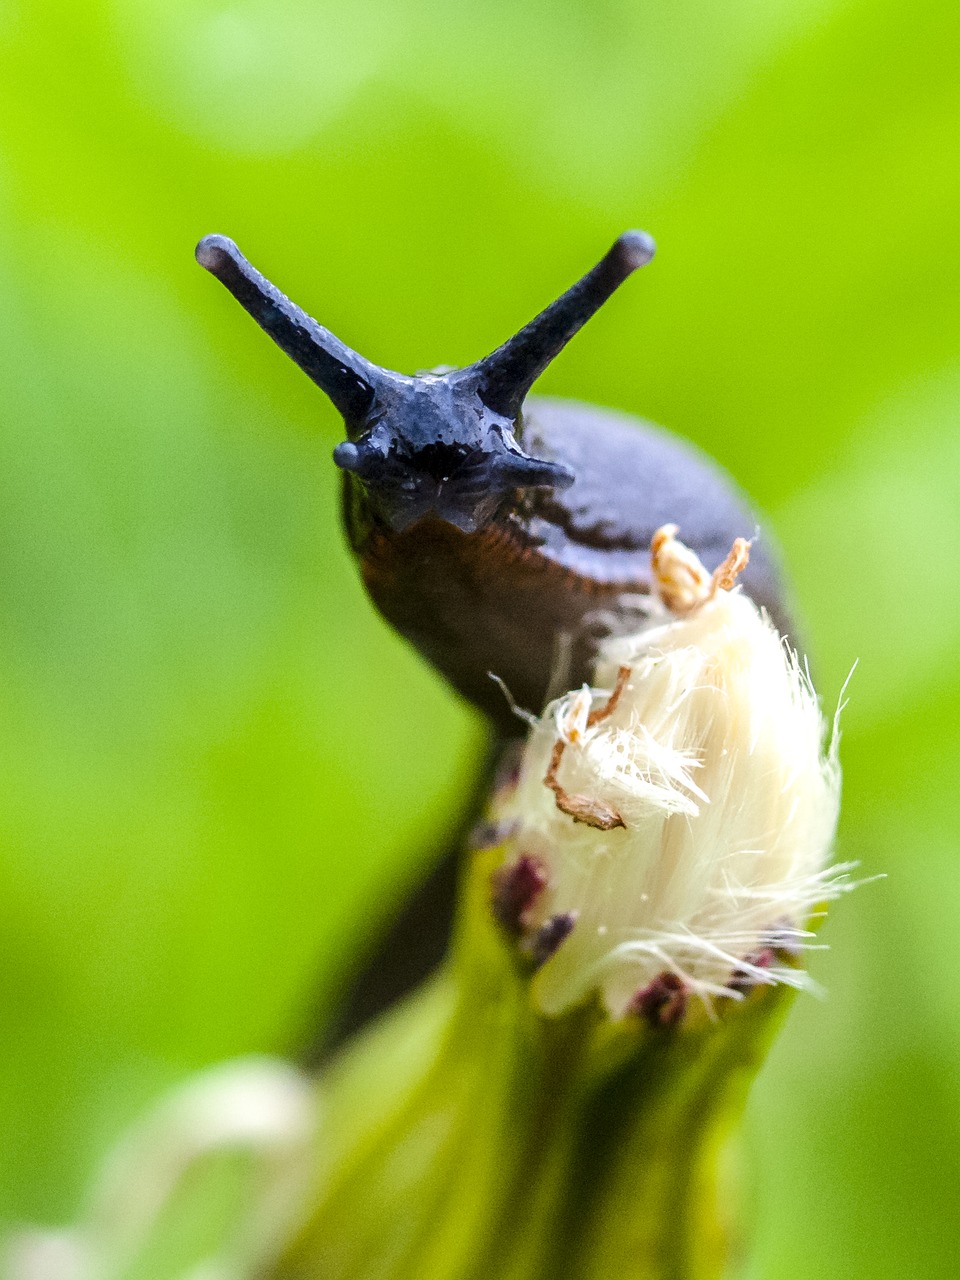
point(516, 888)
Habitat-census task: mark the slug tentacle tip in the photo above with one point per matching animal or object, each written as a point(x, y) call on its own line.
point(636, 249)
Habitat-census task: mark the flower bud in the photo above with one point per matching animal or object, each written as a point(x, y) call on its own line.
point(682, 813)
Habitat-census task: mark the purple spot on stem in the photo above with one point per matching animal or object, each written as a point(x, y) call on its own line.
point(662, 1002)
point(744, 979)
point(515, 889)
point(549, 936)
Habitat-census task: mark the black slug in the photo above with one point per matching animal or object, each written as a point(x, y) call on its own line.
point(501, 534)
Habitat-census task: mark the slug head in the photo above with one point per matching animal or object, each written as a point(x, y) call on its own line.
point(444, 445)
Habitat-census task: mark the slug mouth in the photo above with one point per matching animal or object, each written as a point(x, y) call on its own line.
point(400, 506)
point(404, 515)
point(462, 486)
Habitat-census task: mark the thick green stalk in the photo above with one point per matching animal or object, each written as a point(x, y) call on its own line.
point(467, 1137)
point(645, 1196)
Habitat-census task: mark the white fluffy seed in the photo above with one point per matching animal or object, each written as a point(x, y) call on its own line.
point(715, 758)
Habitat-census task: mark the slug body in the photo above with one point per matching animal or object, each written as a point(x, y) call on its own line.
point(501, 535)
point(530, 594)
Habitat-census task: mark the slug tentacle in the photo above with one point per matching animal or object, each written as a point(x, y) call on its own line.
point(348, 379)
point(507, 374)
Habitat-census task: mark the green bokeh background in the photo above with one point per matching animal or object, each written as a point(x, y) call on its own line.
point(218, 768)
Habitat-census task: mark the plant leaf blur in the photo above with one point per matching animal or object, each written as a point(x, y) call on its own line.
point(219, 768)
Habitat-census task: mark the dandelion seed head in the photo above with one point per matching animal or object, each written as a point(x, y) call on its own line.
point(716, 757)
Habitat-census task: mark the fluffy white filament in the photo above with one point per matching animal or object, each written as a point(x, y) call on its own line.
point(714, 758)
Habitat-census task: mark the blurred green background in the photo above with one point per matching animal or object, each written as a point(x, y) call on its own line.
point(218, 768)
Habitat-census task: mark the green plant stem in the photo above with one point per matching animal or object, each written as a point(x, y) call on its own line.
point(466, 1137)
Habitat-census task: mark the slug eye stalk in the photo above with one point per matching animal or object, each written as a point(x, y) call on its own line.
point(348, 379)
point(507, 374)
